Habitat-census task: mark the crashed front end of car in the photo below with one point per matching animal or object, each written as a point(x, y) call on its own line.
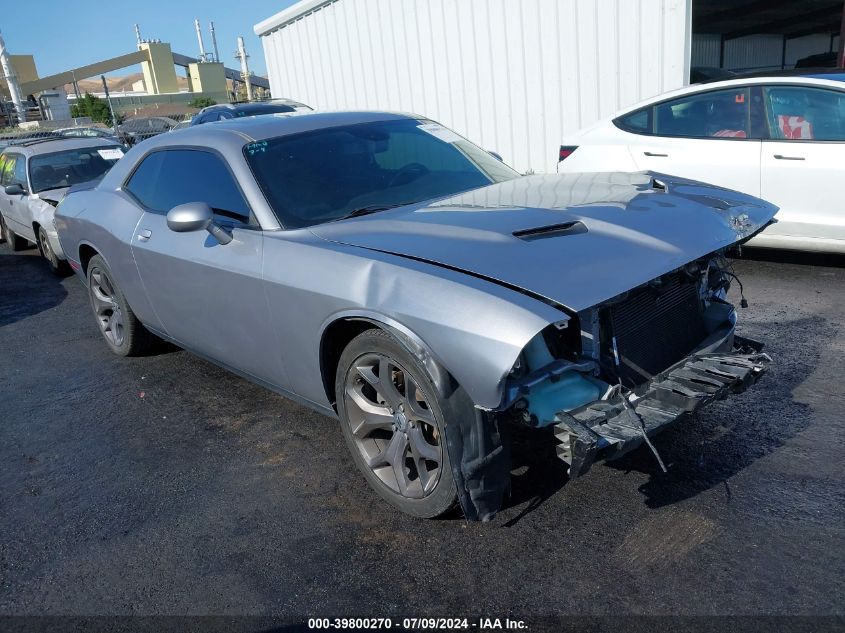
point(617, 373)
point(604, 318)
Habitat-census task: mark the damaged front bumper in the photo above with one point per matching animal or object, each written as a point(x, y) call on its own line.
point(622, 421)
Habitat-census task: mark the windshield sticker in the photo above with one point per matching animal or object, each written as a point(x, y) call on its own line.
point(259, 147)
point(111, 154)
point(440, 132)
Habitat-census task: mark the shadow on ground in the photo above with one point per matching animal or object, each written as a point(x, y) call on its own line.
point(19, 296)
point(726, 437)
point(830, 260)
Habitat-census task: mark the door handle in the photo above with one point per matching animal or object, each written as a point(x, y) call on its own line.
point(144, 235)
point(782, 157)
point(656, 154)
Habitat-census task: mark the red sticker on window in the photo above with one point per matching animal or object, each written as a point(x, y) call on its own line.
point(740, 98)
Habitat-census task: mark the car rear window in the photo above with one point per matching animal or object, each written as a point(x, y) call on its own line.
point(270, 109)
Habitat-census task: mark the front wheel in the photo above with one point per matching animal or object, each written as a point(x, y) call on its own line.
point(123, 332)
point(393, 423)
point(58, 267)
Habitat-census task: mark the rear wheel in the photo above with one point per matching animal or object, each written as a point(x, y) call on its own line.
point(58, 267)
point(13, 242)
point(121, 329)
point(393, 423)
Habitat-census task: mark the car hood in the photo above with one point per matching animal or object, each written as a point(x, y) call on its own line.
point(572, 239)
point(53, 196)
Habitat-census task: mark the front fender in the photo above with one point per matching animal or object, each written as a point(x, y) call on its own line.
point(472, 329)
point(413, 343)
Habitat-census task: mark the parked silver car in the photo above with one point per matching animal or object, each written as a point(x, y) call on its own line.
point(35, 174)
point(384, 270)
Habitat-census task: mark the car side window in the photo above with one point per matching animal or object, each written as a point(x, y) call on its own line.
point(801, 113)
point(168, 178)
point(19, 175)
point(8, 175)
point(638, 122)
point(714, 114)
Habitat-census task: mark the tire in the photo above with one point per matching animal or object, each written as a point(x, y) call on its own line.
point(121, 329)
point(13, 242)
point(396, 439)
point(58, 267)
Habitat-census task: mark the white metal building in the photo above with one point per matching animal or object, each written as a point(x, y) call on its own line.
point(516, 76)
point(512, 76)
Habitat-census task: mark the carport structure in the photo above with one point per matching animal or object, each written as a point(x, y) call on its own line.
point(765, 34)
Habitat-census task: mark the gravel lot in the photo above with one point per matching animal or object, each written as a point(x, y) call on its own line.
point(164, 485)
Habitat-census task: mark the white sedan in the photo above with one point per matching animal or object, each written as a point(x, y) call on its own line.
point(778, 138)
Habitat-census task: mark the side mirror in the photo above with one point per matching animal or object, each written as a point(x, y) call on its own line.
point(196, 216)
point(193, 216)
point(15, 189)
point(496, 156)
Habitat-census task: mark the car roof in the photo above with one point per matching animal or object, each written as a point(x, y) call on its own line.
point(50, 144)
point(252, 105)
point(265, 126)
point(832, 74)
point(829, 80)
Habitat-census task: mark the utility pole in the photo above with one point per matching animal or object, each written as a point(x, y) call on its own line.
point(202, 57)
point(214, 41)
point(111, 108)
point(11, 81)
point(242, 55)
point(75, 86)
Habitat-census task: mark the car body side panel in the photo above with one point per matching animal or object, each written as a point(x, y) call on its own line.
point(208, 296)
point(106, 222)
point(42, 213)
point(475, 328)
point(801, 177)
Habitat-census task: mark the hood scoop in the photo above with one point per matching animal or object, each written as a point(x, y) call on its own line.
point(552, 230)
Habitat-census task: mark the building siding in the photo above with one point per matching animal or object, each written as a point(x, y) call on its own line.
point(514, 77)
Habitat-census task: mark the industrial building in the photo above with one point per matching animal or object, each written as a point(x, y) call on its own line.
point(206, 76)
point(516, 77)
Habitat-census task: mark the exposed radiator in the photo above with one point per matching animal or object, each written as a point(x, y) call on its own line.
point(655, 328)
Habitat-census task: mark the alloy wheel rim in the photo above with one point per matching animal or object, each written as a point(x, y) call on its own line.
point(393, 426)
point(106, 308)
point(46, 249)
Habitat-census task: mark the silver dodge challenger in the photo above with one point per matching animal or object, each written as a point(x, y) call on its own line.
point(385, 271)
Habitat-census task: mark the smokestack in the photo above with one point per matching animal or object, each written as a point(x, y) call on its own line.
point(12, 81)
point(138, 39)
point(214, 41)
point(202, 57)
point(243, 55)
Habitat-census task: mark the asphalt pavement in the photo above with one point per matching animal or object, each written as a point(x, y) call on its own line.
point(165, 485)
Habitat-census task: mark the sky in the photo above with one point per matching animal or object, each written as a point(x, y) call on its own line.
point(66, 34)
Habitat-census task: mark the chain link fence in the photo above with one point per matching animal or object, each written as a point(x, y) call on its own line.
point(131, 131)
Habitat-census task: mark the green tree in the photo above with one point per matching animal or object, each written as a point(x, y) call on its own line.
point(94, 107)
point(202, 102)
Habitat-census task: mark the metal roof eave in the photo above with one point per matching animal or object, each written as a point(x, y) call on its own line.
point(291, 14)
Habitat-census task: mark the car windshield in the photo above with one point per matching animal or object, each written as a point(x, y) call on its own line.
point(63, 169)
point(332, 173)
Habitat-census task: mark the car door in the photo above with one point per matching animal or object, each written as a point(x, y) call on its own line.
point(709, 136)
point(15, 209)
point(803, 162)
point(207, 296)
